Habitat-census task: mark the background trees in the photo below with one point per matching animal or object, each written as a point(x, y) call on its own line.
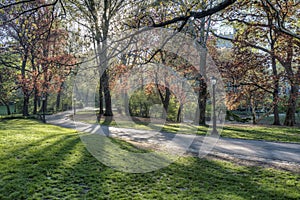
point(260, 27)
point(36, 42)
point(7, 87)
point(100, 19)
point(42, 41)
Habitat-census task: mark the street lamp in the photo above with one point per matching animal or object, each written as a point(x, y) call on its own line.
point(43, 107)
point(74, 105)
point(214, 83)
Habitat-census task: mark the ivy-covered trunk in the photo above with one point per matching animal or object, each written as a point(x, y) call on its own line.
point(25, 105)
point(290, 118)
point(202, 103)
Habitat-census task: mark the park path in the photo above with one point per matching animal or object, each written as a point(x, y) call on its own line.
point(251, 150)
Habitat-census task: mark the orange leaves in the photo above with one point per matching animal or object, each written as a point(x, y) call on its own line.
point(150, 88)
point(26, 83)
point(232, 101)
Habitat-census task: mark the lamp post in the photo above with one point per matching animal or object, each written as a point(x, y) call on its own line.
point(74, 101)
point(214, 131)
point(43, 107)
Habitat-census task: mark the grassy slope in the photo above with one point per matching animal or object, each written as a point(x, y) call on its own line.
point(41, 161)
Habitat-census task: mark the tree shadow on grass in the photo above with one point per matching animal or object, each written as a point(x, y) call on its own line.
point(62, 168)
point(202, 179)
point(27, 171)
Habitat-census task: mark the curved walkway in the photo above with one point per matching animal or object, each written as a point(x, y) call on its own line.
point(251, 150)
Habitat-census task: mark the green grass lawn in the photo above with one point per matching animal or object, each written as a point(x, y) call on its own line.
point(253, 132)
point(40, 161)
point(262, 132)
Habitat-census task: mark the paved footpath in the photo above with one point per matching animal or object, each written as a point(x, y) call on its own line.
point(251, 150)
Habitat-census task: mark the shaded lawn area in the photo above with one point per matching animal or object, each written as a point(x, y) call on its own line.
point(240, 131)
point(40, 161)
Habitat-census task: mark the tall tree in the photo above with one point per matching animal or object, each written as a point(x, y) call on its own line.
point(99, 16)
point(189, 18)
point(18, 35)
point(265, 32)
point(246, 74)
point(31, 38)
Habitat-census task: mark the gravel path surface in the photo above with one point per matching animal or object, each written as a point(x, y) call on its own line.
point(249, 152)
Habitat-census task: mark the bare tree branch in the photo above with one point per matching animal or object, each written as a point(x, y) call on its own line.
point(196, 15)
point(257, 86)
point(14, 3)
point(30, 11)
point(280, 22)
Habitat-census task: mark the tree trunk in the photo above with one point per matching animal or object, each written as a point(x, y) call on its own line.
point(276, 113)
point(275, 91)
point(25, 91)
point(179, 115)
point(130, 109)
point(254, 119)
point(100, 91)
point(46, 102)
point(101, 100)
point(35, 100)
point(165, 100)
point(57, 103)
point(104, 78)
point(58, 97)
point(203, 54)
point(202, 96)
point(202, 103)
point(25, 105)
point(146, 111)
point(126, 103)
point(107, 96)
point(7, 109)
point(290, 118)
point(166, 103)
